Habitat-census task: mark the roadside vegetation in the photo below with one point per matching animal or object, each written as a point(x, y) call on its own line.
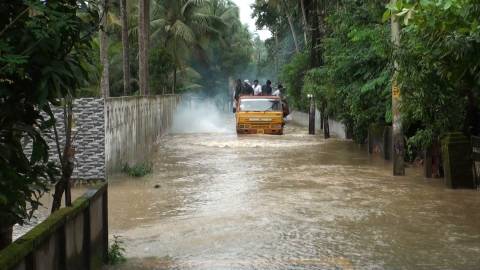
point(341, 52)
point(194, 46)
point(116, 252)
point(138, 170)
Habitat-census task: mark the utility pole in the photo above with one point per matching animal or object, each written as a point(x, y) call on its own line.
point(397, 133)
point(311, 116)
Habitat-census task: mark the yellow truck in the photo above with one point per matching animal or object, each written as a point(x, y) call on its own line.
point(260, 115)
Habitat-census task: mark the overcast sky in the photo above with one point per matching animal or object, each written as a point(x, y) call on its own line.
point(246, 18)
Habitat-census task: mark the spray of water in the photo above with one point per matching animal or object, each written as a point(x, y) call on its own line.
point(202, 115)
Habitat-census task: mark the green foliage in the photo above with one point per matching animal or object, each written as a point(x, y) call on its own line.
point(204, 42)
point(228, 55)
point(161, 65)
point(353, 85)
point(45, 54)
point(292, 76)
point(440, 70)
point(438, 64)
point(116, 251)
point(280, 47)
point(138, 170)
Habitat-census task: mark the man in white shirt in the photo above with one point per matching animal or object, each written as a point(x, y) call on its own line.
point(257, 88)
point(278, 91)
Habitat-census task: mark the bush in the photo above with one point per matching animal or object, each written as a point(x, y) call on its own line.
point(138, 170)
point(116, 251)
point(353, 84)
point(439, 71)
point(292, 76)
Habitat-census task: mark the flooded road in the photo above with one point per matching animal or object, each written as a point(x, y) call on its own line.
point(288, 202)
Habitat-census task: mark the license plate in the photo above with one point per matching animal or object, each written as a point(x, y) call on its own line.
point(260, 119)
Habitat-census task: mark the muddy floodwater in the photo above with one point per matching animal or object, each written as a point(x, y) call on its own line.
point(288, 202)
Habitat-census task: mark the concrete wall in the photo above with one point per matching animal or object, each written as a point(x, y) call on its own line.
point(133, 126)
point(110, 133)
point(72, 238)
point(89, 138)
point(380, 140)
point(337, 129)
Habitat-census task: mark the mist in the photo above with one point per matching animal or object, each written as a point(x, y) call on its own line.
point(197, 114)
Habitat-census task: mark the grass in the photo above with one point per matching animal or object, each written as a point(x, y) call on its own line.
point(116, 252)
point(138, 170)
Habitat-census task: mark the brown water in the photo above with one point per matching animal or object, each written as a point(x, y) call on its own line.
point(288, 202)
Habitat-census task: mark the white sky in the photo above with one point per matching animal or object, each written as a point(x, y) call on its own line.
point(246, 18)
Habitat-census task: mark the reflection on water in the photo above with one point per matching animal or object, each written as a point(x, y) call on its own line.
point(288, 202)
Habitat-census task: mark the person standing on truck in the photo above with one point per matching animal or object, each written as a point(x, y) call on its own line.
point(247, 89)
point(278, 91)
point(267, 89)
point(238, 89)
point(257, 88)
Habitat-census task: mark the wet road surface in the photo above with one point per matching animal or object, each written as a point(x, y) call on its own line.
point(288, 202)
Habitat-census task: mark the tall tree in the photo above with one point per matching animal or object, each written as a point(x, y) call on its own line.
point(143, 45)
point(286, 9)
point(304, 21)
point(44, 58)
point(181, 26)
point(125, 47)
point(104, 80)
point(271, 14)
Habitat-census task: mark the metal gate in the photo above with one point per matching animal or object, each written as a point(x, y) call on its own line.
point(476, 159)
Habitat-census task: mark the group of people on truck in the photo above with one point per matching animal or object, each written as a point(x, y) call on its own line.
point(246, 89)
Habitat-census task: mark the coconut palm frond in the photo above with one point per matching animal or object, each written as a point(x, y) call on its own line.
point(182, 31)
point(191, 4)
point(191, 87)
point(190, 73)
point(113, 19)
point(159, 23)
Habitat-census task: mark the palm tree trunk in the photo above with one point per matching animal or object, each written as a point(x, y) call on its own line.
point(316, 35)
point(305, 23)
point(275, 34)
point(292, 29)
point(290, 23)
point(174, 87)
point(6, 232)
point(125, 47)
point(104, 80)
point(143, 40)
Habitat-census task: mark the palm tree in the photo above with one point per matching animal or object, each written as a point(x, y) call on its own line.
point(182, 28)
point(143, 44)
point(284, 6)
point(104, 80)
point(304, 20)
point(125, 47)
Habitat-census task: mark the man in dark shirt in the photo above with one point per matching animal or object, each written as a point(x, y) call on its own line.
point(247, 89)
point(267, 89)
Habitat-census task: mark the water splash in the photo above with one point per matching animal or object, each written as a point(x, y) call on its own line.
point(196, 115)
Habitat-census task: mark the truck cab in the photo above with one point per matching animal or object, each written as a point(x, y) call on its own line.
point(259, 115)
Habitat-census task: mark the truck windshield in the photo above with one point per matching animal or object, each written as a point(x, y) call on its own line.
point(260, 105)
